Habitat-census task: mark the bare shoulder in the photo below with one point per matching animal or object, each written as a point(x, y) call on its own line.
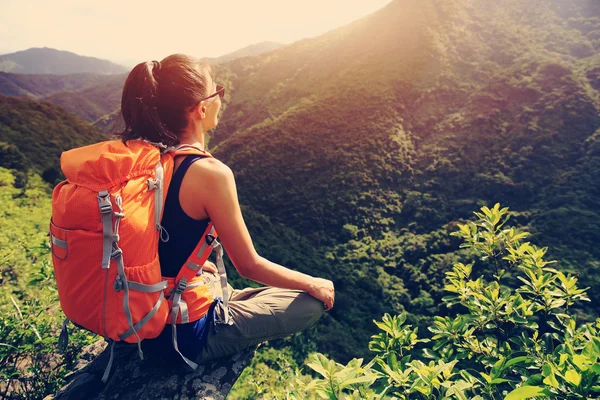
point(210, 169)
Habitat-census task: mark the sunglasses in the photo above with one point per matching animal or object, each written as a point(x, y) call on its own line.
point(220, 91)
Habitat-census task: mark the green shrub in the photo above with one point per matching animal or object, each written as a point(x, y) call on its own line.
point(512, 336)
point(30, 316)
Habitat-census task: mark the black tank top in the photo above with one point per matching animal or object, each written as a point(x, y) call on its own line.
point(184, 231)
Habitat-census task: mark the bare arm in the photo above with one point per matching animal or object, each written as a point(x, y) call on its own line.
point(220, 201)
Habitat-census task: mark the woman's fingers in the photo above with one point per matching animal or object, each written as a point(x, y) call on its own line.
point(322, 289)
point(328, 304)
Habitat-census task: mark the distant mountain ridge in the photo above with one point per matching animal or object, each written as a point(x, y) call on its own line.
point(251, 50)
point(51, 61)
point(94, 97)
point(41, 86)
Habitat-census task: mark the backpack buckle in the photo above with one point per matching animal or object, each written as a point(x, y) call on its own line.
point(104, 202)
point(118, 286)
point(210, 239)
point(116, 253)
point(181, 286)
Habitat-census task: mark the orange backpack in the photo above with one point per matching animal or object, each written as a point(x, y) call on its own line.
point(105, 228)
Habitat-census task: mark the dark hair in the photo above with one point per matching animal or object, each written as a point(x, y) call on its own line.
point(157, 95)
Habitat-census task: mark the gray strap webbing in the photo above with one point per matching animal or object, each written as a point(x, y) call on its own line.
point(175, 307)
point(60, 243)
point(56, 242)
point(140, 287)
point(106, 212)
point(158, 195)
point(144, 320)
point(110, 362)
point(196, 284)
point(193, 266)
point(189, 362)
point(221, 267)
point(203, 247)
point(175, 310)
point(183, 309)
point(126, 309)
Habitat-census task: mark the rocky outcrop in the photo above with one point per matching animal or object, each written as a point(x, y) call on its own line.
point(152, 378)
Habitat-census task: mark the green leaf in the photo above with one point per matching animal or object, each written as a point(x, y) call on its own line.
point(573, 377)
point(360, 379)
point(592, 349)
point(487, 378)
point(551, 380)
point(519, 360)
point(534, 380)
point(526, 392)
point(428, 353)
point(498, 368)
point(319, 364)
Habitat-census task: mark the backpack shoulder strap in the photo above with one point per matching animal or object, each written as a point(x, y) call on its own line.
point(195, 263)
point(186, 149)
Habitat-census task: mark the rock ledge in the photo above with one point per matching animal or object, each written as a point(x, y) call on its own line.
point(151, 378)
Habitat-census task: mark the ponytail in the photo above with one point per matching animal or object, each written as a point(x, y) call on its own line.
point(158, 112)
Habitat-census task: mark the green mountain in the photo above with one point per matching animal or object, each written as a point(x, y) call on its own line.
point(92, 97)
point(370, 141)
point(94, 102)
point(40, 86)
point(34, 134)
point(51, 61)
point(110, 123)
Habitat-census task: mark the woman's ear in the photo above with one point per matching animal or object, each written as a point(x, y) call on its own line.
point(200, 110)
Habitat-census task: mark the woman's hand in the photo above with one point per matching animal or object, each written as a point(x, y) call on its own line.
point(210, 267)
point(322, 289)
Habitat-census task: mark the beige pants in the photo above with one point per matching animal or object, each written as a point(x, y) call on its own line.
point(260, 314)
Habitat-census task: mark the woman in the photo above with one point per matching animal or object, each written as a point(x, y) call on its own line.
point(173, 102)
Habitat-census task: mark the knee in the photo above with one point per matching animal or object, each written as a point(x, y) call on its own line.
point(296, 310)
point(312, 307)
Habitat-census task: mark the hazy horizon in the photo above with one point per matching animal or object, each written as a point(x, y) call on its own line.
point(261, 21)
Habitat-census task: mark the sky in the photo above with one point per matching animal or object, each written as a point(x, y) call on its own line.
point(131, 31)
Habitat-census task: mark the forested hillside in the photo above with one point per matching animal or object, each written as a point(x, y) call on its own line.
point(395, 126)
point(40, 86)
point(93, 98)
point(34, 134)
point(94, 102)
